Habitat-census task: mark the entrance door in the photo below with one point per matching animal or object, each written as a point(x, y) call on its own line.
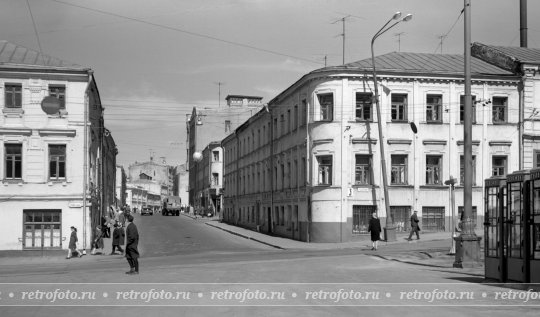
point(534, 232)
point(42, 229)
point(494, 219)
point(515, 225)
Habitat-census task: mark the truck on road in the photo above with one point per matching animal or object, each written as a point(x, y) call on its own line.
point(172, 205)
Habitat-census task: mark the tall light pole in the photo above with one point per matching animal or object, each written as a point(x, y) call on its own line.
point(389, 231)
point(468, 244)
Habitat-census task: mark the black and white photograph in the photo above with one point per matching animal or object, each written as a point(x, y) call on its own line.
point(269, 158)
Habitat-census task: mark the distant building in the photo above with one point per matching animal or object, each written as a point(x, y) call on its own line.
point(57, 166)
point(159, 172)
point(208, 125)
point(181, 183)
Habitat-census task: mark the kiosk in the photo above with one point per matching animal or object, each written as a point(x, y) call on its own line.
point(533, 220)
point(517, 203)
point(495, 233)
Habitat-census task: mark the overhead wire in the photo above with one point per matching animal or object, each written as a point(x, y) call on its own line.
point(176, 29)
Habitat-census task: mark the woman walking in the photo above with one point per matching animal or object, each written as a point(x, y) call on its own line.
point(375, 230)
point(73, 244)
point(98, 241)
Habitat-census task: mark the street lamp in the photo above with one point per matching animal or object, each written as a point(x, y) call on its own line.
point(389, 231)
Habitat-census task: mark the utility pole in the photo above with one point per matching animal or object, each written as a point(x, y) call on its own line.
point(399, 39)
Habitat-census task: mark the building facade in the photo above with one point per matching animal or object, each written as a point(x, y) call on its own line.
point(121, 181)
point(205, 126)
point(307, 167)
point(159, 172)
point(53, 157)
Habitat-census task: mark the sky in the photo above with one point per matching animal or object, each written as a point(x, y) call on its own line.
point(154, 60)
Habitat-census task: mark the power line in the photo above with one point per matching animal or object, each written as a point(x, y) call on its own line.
point(451, 28)
point(186, 32)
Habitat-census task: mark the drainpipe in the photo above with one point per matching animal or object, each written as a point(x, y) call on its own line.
point(521, 88)
point(85, 156)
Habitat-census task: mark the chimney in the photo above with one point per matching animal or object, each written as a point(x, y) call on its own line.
point(523, 23)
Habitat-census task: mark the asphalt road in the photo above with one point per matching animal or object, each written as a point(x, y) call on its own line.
point(182, 254)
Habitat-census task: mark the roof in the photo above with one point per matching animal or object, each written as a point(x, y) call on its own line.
point(425, 63)
point(18, 55)
point(522, 54)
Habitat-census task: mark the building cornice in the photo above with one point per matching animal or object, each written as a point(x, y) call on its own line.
point(399, 141)
point(434, 142)
point(57, 132)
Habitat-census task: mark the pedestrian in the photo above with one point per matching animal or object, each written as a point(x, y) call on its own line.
point(98, 241)
point(118, 239)
point(375, 230)
point(132, 242)
point(73, 240)
point(415, 228)
point(121, 218)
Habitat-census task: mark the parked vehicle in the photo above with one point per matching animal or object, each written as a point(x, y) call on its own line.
point(147, 211)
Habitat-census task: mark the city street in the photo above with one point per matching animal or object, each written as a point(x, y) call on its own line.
point(181, 253)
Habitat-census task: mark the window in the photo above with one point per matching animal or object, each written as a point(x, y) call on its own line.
point(474, 215)
point(399, 170)
point(362, 175)
point(361, 216)
point(401, 216)
point(295, 118)
point(215, 179)
point(42, 228)
point(500, 105)
point(13, 161)
point(434, 108)
point(432, 219)
point(462, 108)
point(215, 156)
point(227, 126)
point(13, 95)
point(399, 107)
point(433, 170)
point(462, 170)
point(282, 130)
point(498, 165)
point(57, 162)
point(304, 112)
point(326, 101)
point(60, 93)
point(289, 121)
point(536, 159)
point(325, 170)
point(364, 103)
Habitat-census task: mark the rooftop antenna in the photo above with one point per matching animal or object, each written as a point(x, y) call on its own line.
point(399, 39)
point(441, 38)
point(219, 83)
point(342, 34)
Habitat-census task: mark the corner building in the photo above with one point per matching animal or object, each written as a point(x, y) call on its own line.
point(307, 166)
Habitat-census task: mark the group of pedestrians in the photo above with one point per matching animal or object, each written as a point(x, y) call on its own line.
point(375, 230)
point(131, 237)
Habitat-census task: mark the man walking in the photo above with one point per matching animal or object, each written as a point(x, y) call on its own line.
point(415, 228)
point(132, 242)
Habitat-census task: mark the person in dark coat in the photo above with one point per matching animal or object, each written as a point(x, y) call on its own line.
point(415, 228)
point(375, 230)
point(98, 241)
point(118, 239)
point(132, 242)
point(73, 244)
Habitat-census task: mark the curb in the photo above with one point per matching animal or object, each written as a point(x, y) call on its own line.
point(245, 236)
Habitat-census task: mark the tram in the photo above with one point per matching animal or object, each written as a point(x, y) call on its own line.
point(512, 227)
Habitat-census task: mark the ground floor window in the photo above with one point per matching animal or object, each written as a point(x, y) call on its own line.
point(42, 229)
point(361, 216)
point(432, 218)
point(401, 216)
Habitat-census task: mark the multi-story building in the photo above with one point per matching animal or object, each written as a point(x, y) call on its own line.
point(209, 125)
point(54, 151)
point(211, 170)
point(525, 63)
point(159, 172)
point(181, 183)
point(121, 180)
point(136, 197)
point(308, 167)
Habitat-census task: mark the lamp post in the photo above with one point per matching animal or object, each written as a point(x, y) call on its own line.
point(389, 230)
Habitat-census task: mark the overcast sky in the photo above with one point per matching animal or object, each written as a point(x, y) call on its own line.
point(156, 59)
